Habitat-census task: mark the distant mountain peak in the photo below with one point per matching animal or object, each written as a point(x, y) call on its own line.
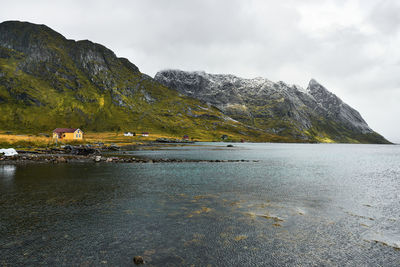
point(24, 28)
point(313, 82)
point(313, 86)
point(276, 107)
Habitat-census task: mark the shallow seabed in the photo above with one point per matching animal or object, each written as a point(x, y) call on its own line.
point(300, 204)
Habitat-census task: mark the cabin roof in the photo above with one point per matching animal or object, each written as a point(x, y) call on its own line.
point(65, 130)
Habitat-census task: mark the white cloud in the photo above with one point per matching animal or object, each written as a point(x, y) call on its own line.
point(324, 17)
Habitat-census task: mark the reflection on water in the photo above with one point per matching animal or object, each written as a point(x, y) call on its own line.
point(387, 238)
point(7, 172)
point(298, 205)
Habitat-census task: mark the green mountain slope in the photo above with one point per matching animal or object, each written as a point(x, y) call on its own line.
point(47, 81)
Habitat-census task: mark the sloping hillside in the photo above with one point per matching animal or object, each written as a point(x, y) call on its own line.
point(47, 81)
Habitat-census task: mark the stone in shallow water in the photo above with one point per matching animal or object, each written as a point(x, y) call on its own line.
point(138, 260)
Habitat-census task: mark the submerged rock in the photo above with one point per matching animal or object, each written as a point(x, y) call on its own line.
point(138, 260)
point(61, 160)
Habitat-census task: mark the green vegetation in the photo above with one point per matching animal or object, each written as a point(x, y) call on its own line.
point(47, 81)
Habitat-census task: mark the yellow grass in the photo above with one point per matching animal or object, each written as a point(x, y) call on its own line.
point(24, 140)
point(324, 140)
point(119, 138)
point(32, 140)
point(27, 140)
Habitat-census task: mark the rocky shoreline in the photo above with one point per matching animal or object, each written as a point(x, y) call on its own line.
point(70, 158)
point(90, 153)
point(95, 154)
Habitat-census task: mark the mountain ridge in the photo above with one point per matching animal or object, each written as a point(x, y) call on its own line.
point(48, 81)
point(313, 114)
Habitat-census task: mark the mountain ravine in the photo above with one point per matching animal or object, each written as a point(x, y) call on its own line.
point(312, 114)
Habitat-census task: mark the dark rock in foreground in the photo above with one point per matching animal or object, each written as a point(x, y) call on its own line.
point(138, 260)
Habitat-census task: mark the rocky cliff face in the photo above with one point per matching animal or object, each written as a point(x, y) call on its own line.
point(47, 81)
point(313, 114)
point(335, 109)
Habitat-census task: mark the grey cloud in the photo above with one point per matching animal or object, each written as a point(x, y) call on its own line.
point(385, 16)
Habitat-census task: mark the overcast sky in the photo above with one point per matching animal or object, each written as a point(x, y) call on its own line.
point(352, 47)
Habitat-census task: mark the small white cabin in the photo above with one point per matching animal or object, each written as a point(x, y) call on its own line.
point(128, 134)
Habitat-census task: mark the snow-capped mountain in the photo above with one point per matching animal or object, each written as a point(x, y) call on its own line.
point(276, 107)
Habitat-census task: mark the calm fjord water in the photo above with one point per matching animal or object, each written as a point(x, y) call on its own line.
point(300, 204)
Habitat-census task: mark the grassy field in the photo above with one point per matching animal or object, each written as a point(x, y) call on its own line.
point(17, 140)
point(26, 141)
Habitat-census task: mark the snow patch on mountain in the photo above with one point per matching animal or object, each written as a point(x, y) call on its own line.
point(259, 101)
